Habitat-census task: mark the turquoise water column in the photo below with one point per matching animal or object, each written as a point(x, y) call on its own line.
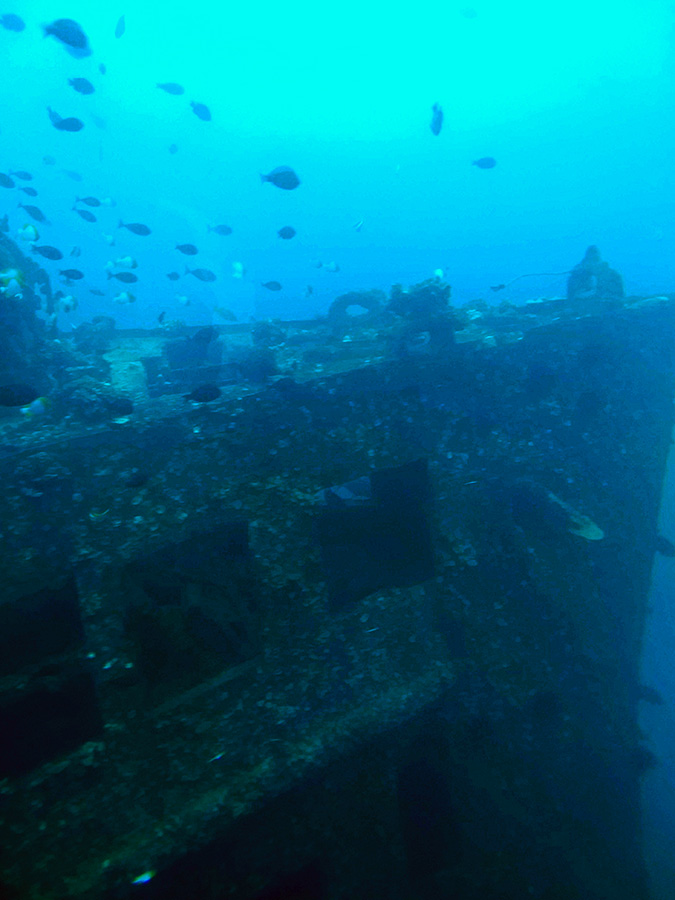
point(658, 722)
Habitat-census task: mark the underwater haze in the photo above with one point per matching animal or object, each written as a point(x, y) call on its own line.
point(571, 100)
point(209, 163)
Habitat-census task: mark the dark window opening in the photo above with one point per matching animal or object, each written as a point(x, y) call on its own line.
point(375, 533)
point(39, 625)
point(430, 826)
point(192, 609)
point(48, 722)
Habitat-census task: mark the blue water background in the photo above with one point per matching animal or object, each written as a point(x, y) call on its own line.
point(574, 100)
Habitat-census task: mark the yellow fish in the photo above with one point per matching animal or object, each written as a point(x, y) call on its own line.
point(28, 233)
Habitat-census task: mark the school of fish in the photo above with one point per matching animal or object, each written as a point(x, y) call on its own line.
point(71, 36)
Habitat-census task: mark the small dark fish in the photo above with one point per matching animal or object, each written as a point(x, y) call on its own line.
point(102, 68)
point(29, 190)
point(497, 287)
point(71, 124)
point(221, 229)
point(436, 119)
point(225, 314)
point(34, 212)
point(6, 181)
point(76, 251)
point(161, 317)
point(97, 292)
point(271, 285)
point(172, 88)
point(120, 27)
point(173, 149)
point(90, 201)
point(485, 162)
point(85, 214)
point(135, 227)
point(201, 274)
point(173, 276)
point(49, 160)
point(12, 22)
point(17, 394)
point(201, 111)
point(68, 32)
point(60, 124)
point(48, 252)
point(663, 546)
point(74, 175)
point(202, 394)
point(81, 85)
point(286, 233)
point(71, 274)
point(187, 249)
point(282, 177)
point(23, 176)
point(126, 277)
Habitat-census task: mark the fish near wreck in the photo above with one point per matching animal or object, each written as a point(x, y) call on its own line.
point(47, 252)
point(34, 212)
point(70, 124)
point(12, 22)
point(223, 230)
point(170, 87)
point(282, 177)
point(126, 277)
point(201, 110)
point(68, 32)
point(71, 35)
point(81, 85)
point(85, 214)
point(539, 511)
point(28, 233)
point(436, 119)
point(201, 274)
point(135, 228)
